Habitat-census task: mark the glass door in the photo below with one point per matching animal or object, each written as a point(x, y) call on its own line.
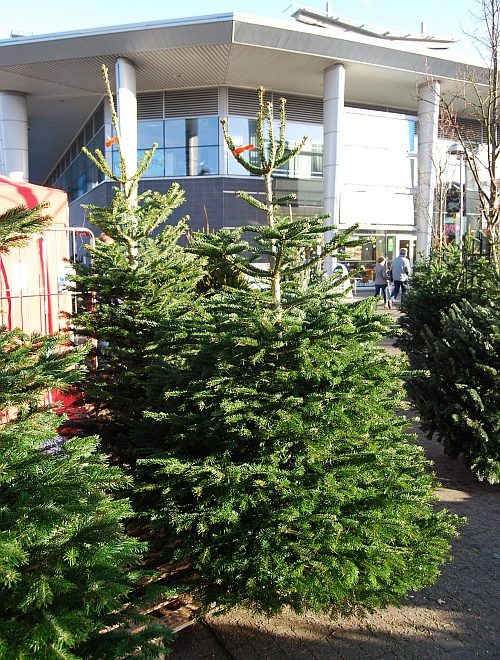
point(408, 242)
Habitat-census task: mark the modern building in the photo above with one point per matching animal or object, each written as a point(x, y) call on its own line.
point(368, 101)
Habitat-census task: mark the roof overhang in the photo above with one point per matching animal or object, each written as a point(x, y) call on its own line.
point(60, 73)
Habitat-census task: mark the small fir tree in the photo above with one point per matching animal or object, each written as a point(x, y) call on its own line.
point(286, 477)
point(449, 334)
point(67, 569)
point(139, 275)
point(459, 394)
point(224, 262)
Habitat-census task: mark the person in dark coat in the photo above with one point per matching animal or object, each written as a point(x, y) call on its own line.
point(382, 280)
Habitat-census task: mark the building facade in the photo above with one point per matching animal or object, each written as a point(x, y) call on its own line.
point(368, 102)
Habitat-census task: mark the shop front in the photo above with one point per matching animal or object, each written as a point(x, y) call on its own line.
point(362, 259)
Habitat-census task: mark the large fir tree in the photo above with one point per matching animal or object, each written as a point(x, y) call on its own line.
point(67, 569)
point(139, 275)
point(286, 475)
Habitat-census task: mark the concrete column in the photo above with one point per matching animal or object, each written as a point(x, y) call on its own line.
point(428, 116)
point(126, 106)
point(333, 112)
point(108, 132)
point(14, 136)
point(223, 114)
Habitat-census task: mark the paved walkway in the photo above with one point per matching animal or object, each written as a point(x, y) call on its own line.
point(458, 618)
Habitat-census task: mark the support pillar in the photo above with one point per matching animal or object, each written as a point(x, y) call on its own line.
point(333, 113)
point(126, 106)
point(223, 113)
point(428, 116)
point(14, 136)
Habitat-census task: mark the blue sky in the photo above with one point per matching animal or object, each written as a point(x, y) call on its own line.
point(441, 17)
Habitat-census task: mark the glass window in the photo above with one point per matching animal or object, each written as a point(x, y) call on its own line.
point(149, 132)
point(206, 129)
point(175, 162)
point(307, 165)
point(295, 131)
point(80, 187)
point(115, 159)
point(192, 146)
point(89, 130)
point(208, 160)
point(243, 131)
point(97, 141)
point(411, 135)
point(79, 165)
point(175, 132)
point(157, 166)
point(91, 178)
point(186, 147)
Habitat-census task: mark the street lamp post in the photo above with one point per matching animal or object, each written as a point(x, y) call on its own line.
point(457, 150)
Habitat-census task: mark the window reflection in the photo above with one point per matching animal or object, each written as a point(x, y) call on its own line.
point(307, 165)
point(149, 133)
point(188, 147)
point(157, 165)
point(191, 148)
point(175, 162)
point(80, 175)
point(175, 132)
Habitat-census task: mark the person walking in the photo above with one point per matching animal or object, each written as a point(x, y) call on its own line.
point(382, 280)
point(401, 271)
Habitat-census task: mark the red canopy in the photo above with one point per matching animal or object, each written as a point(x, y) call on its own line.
point(14, 193)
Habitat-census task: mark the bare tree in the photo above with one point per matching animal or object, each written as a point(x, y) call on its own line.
point(477, 99)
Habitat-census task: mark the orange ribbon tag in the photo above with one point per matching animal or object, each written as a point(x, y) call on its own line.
point(240, 150)
point(111, 141)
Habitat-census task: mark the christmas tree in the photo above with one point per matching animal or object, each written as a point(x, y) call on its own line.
point(224, 262)
point(68, 572)
point(458, 395)
point(286, 476)
point(139, 275)
point(450, 334)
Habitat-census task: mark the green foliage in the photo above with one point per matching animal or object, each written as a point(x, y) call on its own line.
point(29, 365)
point(19, 223)
point(139, 276)
point(123, 305)
point(63, 551)
point(279, 470)
point(224, 263)
point(459, 393)
point(68, 572)
point(450, 333)
point(286, 477)
point(446, 277)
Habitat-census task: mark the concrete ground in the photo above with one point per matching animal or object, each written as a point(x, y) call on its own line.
point(458, 618)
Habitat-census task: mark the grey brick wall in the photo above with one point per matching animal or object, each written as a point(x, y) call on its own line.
point(212, 197)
